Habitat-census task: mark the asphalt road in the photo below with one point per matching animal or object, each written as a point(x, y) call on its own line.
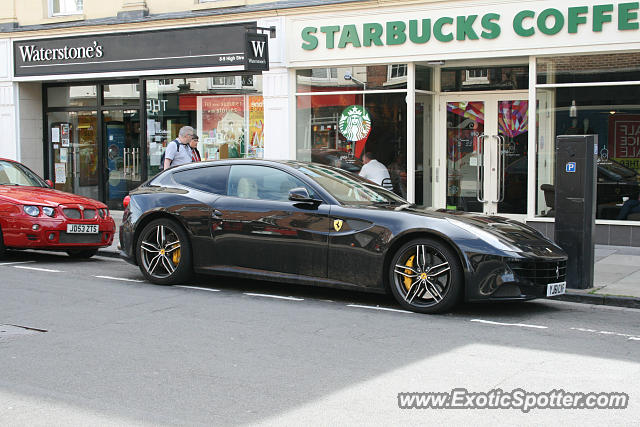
point(107, 348)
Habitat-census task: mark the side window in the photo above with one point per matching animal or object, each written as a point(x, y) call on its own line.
point(262, 183)
point(212, 179)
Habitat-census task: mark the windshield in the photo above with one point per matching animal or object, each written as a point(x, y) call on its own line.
point(348, 188)
point(15, 174)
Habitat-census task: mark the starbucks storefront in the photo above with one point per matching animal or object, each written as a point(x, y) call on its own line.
point(464, 109)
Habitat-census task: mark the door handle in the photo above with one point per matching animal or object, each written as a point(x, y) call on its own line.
point(125, 166)
point(501, 166)
point(479, 178)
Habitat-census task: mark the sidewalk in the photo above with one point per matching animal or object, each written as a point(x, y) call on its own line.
point(617, 274)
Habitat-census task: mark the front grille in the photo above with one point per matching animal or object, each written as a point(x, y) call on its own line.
point(89, 213)
point(72, 213)
point(80, 238)
point(540, 272)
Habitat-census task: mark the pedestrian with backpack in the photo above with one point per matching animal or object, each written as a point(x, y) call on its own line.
point(179, 150)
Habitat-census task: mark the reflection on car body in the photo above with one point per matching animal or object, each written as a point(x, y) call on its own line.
point(320, 225)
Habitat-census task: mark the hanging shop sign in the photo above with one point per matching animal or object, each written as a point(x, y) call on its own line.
point(256, 57)
point(432, 29)
point(167, 49)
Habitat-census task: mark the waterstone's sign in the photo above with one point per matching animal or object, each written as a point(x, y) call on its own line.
point(454, 29)
point(179, 48)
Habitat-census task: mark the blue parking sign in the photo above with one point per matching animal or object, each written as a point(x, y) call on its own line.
point(570, 167)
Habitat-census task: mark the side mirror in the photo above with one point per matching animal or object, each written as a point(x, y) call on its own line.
point(49, 183)
point(301, 195)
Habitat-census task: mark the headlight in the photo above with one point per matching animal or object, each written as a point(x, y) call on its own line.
point(490, 238)
point(32, 210)
point(48, 211)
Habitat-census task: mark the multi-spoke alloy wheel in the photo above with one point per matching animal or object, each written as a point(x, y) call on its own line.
point(164, 254)
point(425, 276)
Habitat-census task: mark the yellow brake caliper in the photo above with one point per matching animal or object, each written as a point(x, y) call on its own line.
point(176, 257)
point(407, 280)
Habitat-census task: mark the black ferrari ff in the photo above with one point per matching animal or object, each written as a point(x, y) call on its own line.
point(298, 222)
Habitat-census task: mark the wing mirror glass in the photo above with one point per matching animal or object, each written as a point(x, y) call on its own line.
point(301, 195)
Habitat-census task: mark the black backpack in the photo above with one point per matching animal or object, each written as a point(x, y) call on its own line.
point(164, 152)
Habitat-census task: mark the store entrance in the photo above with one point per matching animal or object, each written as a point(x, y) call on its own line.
point(486, 142)
point(121, 136)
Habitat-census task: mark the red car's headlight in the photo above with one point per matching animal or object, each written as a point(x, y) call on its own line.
point(31, 210)
point(48, 211)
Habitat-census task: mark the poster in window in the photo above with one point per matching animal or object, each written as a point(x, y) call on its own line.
point(61, 173)
point(255, 148)
point(624, 140)
point(221, 124)
point(64, 134)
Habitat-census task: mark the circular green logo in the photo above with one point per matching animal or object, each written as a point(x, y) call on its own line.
point(355, 123)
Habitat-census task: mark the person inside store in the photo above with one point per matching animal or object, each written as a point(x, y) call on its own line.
point(195, 154)
point(179, 150)
point(375, 171)
point(631, 206)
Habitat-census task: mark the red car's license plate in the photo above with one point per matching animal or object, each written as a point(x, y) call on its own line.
point(82, 228)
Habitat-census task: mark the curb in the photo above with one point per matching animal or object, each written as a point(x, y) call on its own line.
point(611, 300)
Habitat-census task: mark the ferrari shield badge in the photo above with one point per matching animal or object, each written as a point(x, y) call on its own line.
point(337, 224)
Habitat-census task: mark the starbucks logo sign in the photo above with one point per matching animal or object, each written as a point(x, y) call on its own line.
point(355, 123)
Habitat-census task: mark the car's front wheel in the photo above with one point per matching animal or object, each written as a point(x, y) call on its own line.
point(426, 276)
point(164, 253)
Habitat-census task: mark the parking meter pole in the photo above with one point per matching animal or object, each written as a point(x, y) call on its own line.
point(575, 205)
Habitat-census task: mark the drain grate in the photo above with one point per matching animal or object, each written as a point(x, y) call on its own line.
point(7, 331)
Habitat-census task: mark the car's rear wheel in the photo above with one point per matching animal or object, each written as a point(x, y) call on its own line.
point(164, 252)
point(82, 253)
point(425, 276)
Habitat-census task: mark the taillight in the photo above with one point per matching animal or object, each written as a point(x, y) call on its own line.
point(125, 201)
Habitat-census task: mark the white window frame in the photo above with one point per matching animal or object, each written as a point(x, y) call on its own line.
point(482, 80)
point(390, 68)
point(63, 6)
point(237, 84)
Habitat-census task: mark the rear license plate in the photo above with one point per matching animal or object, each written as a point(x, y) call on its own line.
point(82, 228)
point(556, 288)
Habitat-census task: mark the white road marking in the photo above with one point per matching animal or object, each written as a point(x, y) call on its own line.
point(379, 308)
point(16, 262)
point(618, 334)
point(520, 325)
point(119, 278)
point(47, 270)
point(197, 287)
point(273, 296)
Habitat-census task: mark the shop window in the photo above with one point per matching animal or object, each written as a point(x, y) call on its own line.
point(72, 96)
point(226, 111)
point(65, 7)
point(613, 114)
point(614, 67)
point(121, 94)
point(373, 77)
point(492, 78)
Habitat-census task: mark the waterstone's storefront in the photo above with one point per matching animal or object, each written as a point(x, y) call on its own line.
point(463, 108)
point(112, 102)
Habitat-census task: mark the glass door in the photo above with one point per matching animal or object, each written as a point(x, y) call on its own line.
point(74, 151)
point(486, 148)
point(121, 136)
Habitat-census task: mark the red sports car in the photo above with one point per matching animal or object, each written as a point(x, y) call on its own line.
point(35, 216)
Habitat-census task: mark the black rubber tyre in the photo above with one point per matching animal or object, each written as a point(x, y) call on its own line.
point(82, 253)
point(425, 276)
point(164, 253)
